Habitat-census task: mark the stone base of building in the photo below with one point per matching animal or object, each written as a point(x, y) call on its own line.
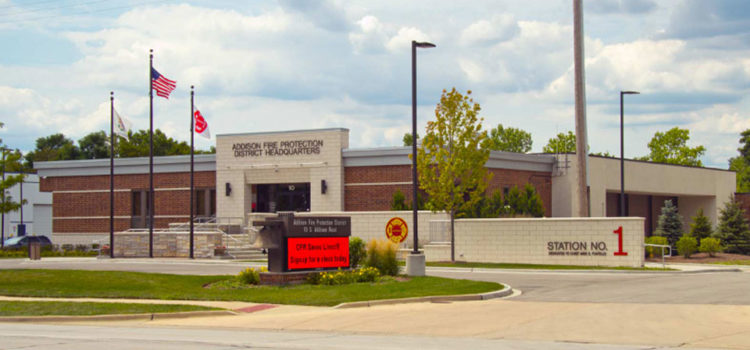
point(284, 278)
point(166, 244)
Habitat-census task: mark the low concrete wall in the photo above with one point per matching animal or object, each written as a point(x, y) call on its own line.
point(370, 225)
point(564, 241)
point(166, 244)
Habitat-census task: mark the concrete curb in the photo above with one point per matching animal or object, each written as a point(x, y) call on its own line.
point(118, 317)
point(506, 291)
point(489, 270)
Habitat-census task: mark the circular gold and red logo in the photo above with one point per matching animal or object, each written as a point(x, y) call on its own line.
point(396, 230)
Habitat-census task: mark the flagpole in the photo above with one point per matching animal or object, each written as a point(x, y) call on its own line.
point(111, 175)
point(192, 184)
point(151, 156)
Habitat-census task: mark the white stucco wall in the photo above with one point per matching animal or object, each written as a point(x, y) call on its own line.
point(696, 187)
point(370, 225)
point(242, 171)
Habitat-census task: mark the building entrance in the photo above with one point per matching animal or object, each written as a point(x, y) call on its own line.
point(282, 197)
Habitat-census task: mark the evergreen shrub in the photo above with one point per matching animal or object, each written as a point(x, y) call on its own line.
point(687, 245)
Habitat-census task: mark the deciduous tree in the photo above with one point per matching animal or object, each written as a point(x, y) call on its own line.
point(452, 156)
point(10, 161)
point(510, 139)
point(53, 147)
point(408, 139)
point(671, 147)
point(137, 145)
point(94, 145)
point(562, 143)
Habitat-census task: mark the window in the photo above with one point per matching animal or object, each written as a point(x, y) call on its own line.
point(139, 208)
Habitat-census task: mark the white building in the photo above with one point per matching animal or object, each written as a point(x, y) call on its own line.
point(37, 212)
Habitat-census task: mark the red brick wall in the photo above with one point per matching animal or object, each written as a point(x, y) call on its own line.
point(378, 197)
point(136, 181)
point(90, 207)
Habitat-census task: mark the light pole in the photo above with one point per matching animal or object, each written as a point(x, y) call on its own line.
point(416, 262)
point(622, 151)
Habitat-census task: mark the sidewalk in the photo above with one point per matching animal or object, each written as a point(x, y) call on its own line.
point(722, 326)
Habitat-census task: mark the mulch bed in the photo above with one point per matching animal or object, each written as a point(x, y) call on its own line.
point(702, 258)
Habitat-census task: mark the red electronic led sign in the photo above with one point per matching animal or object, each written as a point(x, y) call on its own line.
point(317, 252)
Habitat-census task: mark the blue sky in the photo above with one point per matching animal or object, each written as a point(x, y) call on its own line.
point(282, 65)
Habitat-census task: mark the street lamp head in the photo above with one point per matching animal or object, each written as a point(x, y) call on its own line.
point(424, 44)
point(630, 92)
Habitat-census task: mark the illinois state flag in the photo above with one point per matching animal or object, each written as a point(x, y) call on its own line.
point(121, 124)
point(200, 126)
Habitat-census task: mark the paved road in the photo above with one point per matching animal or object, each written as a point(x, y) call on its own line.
point(36, 336)
point(727, 288)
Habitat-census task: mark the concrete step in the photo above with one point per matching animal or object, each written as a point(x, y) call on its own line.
point(249, 253)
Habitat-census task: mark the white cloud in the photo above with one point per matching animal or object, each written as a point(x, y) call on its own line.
point(402, 40)
point(267, 65)
point(371, 36)
point(489, 32)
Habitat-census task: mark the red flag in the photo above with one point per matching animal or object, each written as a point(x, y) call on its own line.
point(200, 125)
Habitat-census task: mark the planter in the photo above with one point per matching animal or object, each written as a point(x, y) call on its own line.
point(220, 251)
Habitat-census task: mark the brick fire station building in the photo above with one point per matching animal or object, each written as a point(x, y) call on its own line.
point(315, 170)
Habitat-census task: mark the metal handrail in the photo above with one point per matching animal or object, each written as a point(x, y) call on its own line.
point(662, 246)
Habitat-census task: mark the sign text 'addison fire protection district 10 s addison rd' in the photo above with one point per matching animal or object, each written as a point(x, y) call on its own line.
point(318, 243)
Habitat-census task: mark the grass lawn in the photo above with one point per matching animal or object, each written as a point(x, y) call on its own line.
point(23, 254)
point(541, 267)
point(61, 308)
point(732, 262)
point(117, 284)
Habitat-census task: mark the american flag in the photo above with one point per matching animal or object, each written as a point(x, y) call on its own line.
point(162, 85)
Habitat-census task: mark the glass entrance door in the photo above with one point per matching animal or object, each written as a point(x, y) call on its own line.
point(283, 197)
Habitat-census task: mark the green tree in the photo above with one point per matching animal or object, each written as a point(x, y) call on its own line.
point(94, 145)
point(562, 143)
point(700, 228)
point(407, 139)
point(534, 204)
point(10, 162)
point(741, 166)
point(524, 202)
point(137, 145)
point(670, 223)
point(452, 156)
point(745, 145)
point(510, 140)
point(671, 147)
point(741, 163)
point(605, 154)
point(53, 147)
point(733, 228)
point(398, 202)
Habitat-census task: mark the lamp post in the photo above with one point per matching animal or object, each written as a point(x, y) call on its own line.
point(622, 151)
point(415, 262)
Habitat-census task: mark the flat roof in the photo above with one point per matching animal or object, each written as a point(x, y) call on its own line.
point(135, 165)
point(282, 132)
point(400, 156)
